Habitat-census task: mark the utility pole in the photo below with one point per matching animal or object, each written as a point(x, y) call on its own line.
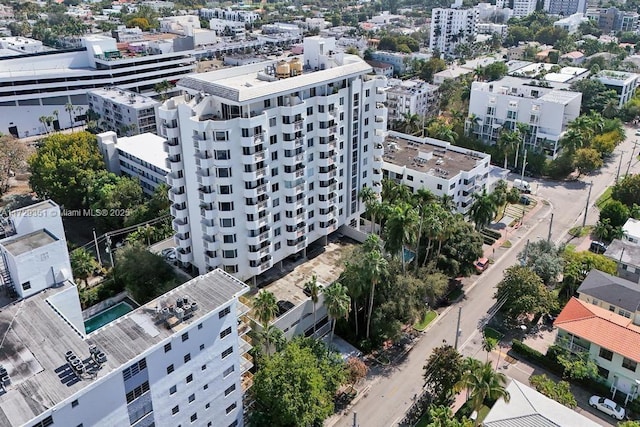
point(619, 165)
point(95, 240)
point(110, 250)
point(524, 163)
point(586, 207)
point(515, 161)
point(458, 328)
point(633, 151)
point(355, 419)
point(550, 225)
point(526, 254)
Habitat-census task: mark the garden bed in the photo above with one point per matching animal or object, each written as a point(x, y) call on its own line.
point(428, 317)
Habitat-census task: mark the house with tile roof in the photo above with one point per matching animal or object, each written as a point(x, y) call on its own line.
point(527, 407)
point(612, 341)
point(611, 293)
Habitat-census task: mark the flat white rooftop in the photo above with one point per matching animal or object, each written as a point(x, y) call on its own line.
point(242, 84)
point(121, 96)
point(147, 147)
point(36, 339)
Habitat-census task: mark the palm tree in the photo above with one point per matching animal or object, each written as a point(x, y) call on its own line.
point(313, 289)
point(82, 264)
point(56, 115)
point(410, 123)
point(43, 120)
point(447, 202)
point(401, 230)
point(481, 383)
point(507, 140)
point(162, 88)
point(356, 287)
point(377, 269)
point(272, 335)
point(483, 209)
point(338, 303)
point(488, 344)
point(369, 197)
point(265, 307)
point(68, 107)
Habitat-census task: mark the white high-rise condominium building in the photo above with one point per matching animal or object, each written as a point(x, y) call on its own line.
point(450, 27)
point(565, 7)
point(268, 158)
point(522, 8)
point(410, 97)
point(546, 110)
point(177, 360)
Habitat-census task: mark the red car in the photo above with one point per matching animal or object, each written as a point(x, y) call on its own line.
point(481, 264)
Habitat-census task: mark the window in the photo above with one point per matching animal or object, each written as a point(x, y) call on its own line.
point(74, 403)
point(230, 253)
point(228, 371)
point(185, 336)
point(225, 332)
point(231, 407)
point(439, 186)
point(272, 121)
point(26, 285)
point(187, 357)
point(227, 222)
point(226, 206)
point(624, 313)
point(170, 369)
point(173, 389)
point(203, 367)
point(175, 410)
point(230, 390)
point(229, 238)
point(629, 364)
point(224, 312)
point(235, 423)
point(227, 352)
point(223, 172)
point(201, 347)
point(45, 422)
point(206, 386)
point(612, 308)
point(134, 369)
point(199, 325)
point(194, 417)
point(606, 354)
point(167, 347)
point(137, 392)
point(192, 398)
point(189, 378)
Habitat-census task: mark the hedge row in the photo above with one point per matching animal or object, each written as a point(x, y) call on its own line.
point(488, 240)
point(491, 233)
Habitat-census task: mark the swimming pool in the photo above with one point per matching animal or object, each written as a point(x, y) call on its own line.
point(107, 316)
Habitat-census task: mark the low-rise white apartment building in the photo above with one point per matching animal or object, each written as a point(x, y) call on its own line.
point(522, 8)
point(410, 97)
point(179, 359)
point(450, 27)
point(141, 157)
point(246, 16)
point(625, 84)
point(501, 104)
point(122, 111)
point(268, 158)
point(490, 28)
point(35, 86)
point(571, 23)
point(22, 44)
point(438, 166)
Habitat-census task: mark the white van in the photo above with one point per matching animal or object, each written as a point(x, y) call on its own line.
point(522, 185)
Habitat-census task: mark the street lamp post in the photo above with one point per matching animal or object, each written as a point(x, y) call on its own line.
point(586, 207)
point(633, 150)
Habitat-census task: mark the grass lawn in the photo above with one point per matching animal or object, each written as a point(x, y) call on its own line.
point(428, 318)
point(580, 231)
point(482, 413)
point(604, 199)
point(506, 244)
point(492, 333)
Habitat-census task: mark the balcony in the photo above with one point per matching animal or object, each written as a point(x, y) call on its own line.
point(255, 208)
point(325, 176)
point(244, 346)
point(173, 181)
point(172, 148)
point(573, 347)
point(183, 256)
point(243, 325)
point(293, 160)
point(183, 241)
point(258, 156)
point(293, 127)
point(294, 191)
point(178, 211)
point(208, 211)
point(246, 381)
point(205, 162)
point(258, 223)
point(177, 196)
point(250, 141)
point(209, 227)
point(252, 193)
point(209, 244)
point(207, 195)
point(326, 162)
point(180, 226)
point(293, 144)
point(257, 240)
point(256, 174)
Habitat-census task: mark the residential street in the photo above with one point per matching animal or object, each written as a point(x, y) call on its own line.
point(391, 391)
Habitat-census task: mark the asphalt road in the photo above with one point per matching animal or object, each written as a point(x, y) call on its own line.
point(391, 391)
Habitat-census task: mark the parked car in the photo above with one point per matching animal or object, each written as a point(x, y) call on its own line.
point(638, 132)
point(169, 254)
point(607, 406)
point(598, 247)
point(525, 200)
point(481, 264)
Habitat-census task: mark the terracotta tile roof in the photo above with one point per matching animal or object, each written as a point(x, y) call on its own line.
point(601, 327)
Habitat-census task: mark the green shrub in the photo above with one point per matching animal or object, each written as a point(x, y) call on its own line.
point(491, 233)
point(488, 240)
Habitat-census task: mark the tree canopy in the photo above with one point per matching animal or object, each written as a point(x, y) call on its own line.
point(442, 372)
point(13, 154)
point(522, 292)
point(61, 166)
point(296, 386)
point(627, 190)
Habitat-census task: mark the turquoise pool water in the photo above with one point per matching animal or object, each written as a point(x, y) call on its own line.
point(107, 316)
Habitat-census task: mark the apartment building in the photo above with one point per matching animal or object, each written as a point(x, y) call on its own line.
point(611, 340)
point(438, 166)
point(268, 158)
point(141, 157)
point(565, 7)
point(178, 360)
point(124, 112)
point(547, 109)
point(624, 83)
point(37, 85)
point(450, 27)
point(410, 97)
point(571, 23)
point(522, 8)
point(613, 19)
point(228, 14)
point(626, 251)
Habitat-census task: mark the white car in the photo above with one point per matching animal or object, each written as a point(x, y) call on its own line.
point(607, 406)
point(638, 132)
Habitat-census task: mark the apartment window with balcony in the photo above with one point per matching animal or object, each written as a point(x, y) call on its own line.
point(629, 364)
point(230, 253)
point(227, 222)
point(606, 354)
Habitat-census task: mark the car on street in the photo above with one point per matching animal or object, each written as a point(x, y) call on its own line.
point(638, 132)
point(481, 264)
point(598, 247)
point(607, 406)
point(525, 200)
